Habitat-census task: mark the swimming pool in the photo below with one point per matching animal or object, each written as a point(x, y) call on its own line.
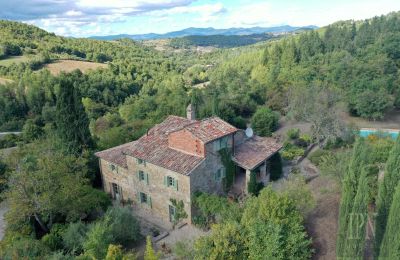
point(364, 132)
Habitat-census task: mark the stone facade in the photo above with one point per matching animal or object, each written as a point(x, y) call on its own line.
point(149, 185)
point(203, 178)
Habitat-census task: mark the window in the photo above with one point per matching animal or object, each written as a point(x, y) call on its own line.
point(171, 182)
point(172, 213)
point(221, 143)
point(219, 174)
point(113, 167)
point(140, 161)
point(143, 198)
point(142, 176)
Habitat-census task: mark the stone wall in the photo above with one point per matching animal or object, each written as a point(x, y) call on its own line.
point(200, 179)
point(159, 193)
point(203, 177)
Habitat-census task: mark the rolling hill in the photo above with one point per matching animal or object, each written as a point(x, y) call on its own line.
point(205, 32)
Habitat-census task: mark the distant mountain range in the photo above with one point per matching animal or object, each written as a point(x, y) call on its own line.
point(207, 32)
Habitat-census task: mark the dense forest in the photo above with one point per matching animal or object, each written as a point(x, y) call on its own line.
point(55, 211)
point(219, 41)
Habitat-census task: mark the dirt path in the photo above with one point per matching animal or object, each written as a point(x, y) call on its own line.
point(321, 224)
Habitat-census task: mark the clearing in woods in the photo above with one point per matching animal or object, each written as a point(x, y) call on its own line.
point(3, 81)
point(56, 67)
point(13, 59)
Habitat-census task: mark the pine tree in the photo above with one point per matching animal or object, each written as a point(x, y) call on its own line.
point(385, 193)
point(390, 248)
point(71, 119)
point(349, 191)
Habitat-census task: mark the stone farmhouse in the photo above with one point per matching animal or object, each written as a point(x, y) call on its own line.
point(178, 157)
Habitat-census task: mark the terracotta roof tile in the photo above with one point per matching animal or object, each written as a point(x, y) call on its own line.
point(254, 151)
point(116, 154)
point(153, 147)
point(210, 129)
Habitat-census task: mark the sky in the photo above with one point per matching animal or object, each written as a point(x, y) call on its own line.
point(83, 18)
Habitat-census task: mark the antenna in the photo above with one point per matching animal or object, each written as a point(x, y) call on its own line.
point(249, 132)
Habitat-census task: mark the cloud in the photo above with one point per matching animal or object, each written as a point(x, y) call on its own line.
point(67, 17)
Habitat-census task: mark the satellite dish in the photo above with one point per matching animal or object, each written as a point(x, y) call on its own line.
point(249, 132)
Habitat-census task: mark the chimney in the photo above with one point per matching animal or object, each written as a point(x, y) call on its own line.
point(190, 112)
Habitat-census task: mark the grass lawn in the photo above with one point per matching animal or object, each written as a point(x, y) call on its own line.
point(10, 60)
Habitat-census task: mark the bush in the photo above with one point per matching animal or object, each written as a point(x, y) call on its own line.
point(316, 157)
point(74, 236)
point(124, 226)
point(276, 166)
point(31, 130)
point(53, 240)
point(264, 121)
point(24, 248)
point(293, 133)
point(98, 239)
point(9, 140)
point(291, 151)
point(183, 250)
point(295, 188)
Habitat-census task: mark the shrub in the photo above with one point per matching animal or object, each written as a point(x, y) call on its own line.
point(293, 133)
point(276, 166)
point(306, 138)
point(150, 253)
point(53, 240)
point(24, 248)
point(316, 157)
point(98, 239)
point(183, 250)
point(291, 151)
point(74, 236)
point(295, 188)
point(124, 226)
point(264, 121)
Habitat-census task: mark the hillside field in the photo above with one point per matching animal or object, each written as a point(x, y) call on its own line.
point(56, 67)
point(4, 81)
point(13, 59)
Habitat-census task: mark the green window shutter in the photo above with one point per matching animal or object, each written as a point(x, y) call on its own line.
point(138, 175)
point(139, 198)
point(147, 178)
point(149, 201)
point(165, 181)
point(176, 184)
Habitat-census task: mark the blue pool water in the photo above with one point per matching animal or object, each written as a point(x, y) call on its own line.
point(383, 132)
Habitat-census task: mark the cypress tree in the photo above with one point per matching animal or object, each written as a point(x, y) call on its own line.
point(252, 185)
point(355, 240)
point(385, 193)
point(349, 191)
point(390, 248)
point(71, 119)
point(276, 166)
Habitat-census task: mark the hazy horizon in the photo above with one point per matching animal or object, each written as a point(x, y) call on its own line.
point(82, 18)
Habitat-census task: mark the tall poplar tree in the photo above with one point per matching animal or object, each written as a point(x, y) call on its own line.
point(385, 193)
